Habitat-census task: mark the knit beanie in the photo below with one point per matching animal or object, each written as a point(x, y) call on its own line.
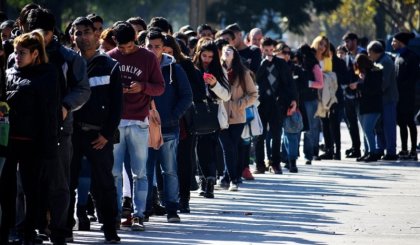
point(404, 37)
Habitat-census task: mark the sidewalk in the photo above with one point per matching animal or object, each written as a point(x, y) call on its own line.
point(330, 202)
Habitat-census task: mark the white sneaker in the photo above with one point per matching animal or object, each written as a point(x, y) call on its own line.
point(233, 187)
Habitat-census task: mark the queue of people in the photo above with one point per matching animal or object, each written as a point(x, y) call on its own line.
point(77, 105)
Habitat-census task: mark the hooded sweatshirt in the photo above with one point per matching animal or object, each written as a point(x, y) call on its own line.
point(141, 66)
point(177, 97)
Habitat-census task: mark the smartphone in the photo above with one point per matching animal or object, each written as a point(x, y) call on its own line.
point(207, 75)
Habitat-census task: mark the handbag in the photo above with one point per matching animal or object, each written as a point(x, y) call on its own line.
point(155, 130)
point(249, 113)
point(222, 116)
point(4, 131)
point(202, 117)
point(294, 123)
point(254, 127)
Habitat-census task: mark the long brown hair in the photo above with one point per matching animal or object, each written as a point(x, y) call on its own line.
point(238, 68)
point(362, 63)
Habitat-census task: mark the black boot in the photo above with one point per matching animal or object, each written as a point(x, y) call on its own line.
point(328, 155)
point(202, 185)
point(84, 222)
point(293, 167)
point(90, 207)
point(184, 205)
point(209, 193)
point(158, 209)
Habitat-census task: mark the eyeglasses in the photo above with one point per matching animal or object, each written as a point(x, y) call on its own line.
point(286, 52)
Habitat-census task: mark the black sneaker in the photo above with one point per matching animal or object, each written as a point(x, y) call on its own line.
point(403, 155)
point(308, 162)
point(326, 156)
point(111, 237)
point(173, 218)
point(354, 154)
point(413, 156)
point(388, 157)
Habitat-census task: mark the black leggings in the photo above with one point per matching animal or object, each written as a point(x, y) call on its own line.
point(331, 129)
point(405, 120)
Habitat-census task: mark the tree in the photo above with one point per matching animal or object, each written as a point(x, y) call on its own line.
point(268, 14)
point(403, 14)
point(353, 15)
point(110, 10)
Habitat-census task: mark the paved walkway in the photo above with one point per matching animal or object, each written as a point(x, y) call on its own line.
point(329, 202)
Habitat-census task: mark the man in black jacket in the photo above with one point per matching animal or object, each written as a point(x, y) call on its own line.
point(407, 73)
point(95, 125)
point(276, 87)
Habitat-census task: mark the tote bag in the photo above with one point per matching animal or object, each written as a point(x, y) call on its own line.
point(202, 117)
point(155, 130)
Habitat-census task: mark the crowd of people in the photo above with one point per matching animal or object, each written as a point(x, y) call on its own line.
point(76, 131)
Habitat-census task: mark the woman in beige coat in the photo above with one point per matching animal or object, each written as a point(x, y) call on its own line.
point(244, 94)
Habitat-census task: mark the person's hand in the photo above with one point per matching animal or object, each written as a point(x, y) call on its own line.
point(353, 86)
point(135, 87)
point(99, 143)
point(362, 76)
point(211, 80)
point(292, 107)
point(1, 114)
point(65, 112)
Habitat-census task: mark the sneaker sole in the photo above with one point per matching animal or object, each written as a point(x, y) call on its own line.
point(112, 242)
point(138, 229)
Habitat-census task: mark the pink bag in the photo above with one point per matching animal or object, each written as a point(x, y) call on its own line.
point(155, 131)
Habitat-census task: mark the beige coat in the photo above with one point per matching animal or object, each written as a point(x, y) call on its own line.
point(240, 100)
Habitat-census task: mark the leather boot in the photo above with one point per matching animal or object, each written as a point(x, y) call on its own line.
point(202, 185)
point(184, 205)
point(209, 193)
point(293, 167)
point(84, 222)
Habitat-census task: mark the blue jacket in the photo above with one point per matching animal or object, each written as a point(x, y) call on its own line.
point(177, 97)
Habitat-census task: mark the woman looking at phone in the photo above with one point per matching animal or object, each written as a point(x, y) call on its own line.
point(207, 60)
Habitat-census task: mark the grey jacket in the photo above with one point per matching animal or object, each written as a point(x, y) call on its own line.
point(389, 83)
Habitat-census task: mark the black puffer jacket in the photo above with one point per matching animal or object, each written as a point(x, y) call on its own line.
point(33, 96)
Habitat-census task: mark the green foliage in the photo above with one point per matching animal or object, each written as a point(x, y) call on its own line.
point(109, 10)
point(293, 15)
point(354, 15)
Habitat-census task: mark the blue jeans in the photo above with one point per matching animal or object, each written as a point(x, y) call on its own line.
point(311, 137)
point(291, 145)
point(135, 139)
point(368, 122)
point(387, 137)
point(84, 183)
point(166, 159)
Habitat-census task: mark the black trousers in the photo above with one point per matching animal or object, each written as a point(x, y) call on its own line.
point(269, 118)
point(331, 129)
point(350, 107)
point(186, 160)
point(103, 187)
point(405, 119)
point(27, 155)
point(206, 153)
